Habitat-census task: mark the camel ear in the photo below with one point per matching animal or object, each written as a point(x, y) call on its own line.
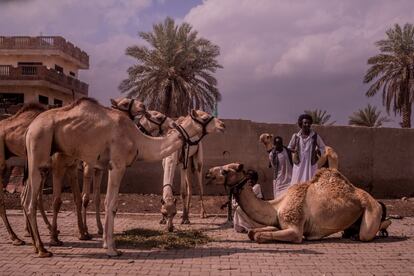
point(240, 167)
point(162, 201)
point(114, 103)
point(194, 113)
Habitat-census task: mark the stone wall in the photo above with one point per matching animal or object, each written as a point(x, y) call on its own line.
point(380, 160)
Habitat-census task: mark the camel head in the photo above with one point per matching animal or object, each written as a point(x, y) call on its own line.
point(130, 106)
point(201, 122)
point(155, 123)
point(227, 175)
point(169, 210)
point(267, 140)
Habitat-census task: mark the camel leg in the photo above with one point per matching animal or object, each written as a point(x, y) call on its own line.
point(371, 221)
point(198, 163)
point(252, 232)
point(97, 180)
point(12, 235)
point(36, 182)
point(291, 234)
point(86, 190)
point(185, 195)
point(111, 201)
point(77, 198)
point(42, 210)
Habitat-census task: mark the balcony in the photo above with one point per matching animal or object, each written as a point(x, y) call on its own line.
point(44, 43)
point(42, 73)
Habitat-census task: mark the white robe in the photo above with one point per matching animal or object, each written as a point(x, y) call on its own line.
point(304, 171)
point(284, 173)
point(241, 222)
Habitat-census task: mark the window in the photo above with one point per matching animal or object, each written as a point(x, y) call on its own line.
point(8, 100)
point(11, 98)
point(29, 64)
point(43, 100)
point(57, 103)
point(29, 68)
point(59, 69)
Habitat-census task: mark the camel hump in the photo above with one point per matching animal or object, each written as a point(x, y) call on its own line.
point(29, 107)
point(80, 101)
point(329, 173)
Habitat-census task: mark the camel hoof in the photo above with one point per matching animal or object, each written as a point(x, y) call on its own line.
point(383, 233)
point(163, 221)
point(114, 253)
point(18, 242)
point(55, 242)
point(44, 254)
point(185, 221)
point(259, 238)
point(250, 234)
point(85, 237)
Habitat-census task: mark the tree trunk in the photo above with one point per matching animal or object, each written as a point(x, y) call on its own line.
point(167, 101)
point(406, 114)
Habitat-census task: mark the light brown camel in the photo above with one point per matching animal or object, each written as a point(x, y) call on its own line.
point(12, 143)
point(152, 123)
point(191, 161)
point(328, 159)
point(325, 205)
point(64, 164)
point(12, 131)
point(119, 139)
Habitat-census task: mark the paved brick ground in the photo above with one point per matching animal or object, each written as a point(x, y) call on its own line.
point(231, 254)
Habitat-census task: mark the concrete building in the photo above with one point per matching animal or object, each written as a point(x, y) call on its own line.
point(42, 69)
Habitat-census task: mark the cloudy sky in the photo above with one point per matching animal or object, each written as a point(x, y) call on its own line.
point(280, 57)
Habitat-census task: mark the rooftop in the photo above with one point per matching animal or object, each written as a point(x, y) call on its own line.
point(55, 44)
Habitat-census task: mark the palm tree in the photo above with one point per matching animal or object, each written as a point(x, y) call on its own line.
point(369, 117)
point(319, 117)
point(393, 71)
point(174, 73)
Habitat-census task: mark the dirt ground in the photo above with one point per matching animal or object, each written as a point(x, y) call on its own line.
point(150, 203)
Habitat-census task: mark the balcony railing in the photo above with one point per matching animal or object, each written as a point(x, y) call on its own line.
point(25, 73)
point(44, 42)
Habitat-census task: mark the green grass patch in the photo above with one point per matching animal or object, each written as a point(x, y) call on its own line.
point(148, 238)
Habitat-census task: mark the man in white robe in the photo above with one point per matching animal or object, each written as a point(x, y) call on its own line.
point(281, 162)
point(305, 146)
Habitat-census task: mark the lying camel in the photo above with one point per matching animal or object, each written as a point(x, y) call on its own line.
point(119, 140)
point(327, 160)
point(325, 205)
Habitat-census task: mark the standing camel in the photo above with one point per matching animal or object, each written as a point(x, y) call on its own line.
point(12, 131)
point(190, 157)
point(152, 123)
point(65, 164)
point(325, 205)
point(119, 139)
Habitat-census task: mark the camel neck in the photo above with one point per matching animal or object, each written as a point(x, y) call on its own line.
point(259, 210)
point(156, 148)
